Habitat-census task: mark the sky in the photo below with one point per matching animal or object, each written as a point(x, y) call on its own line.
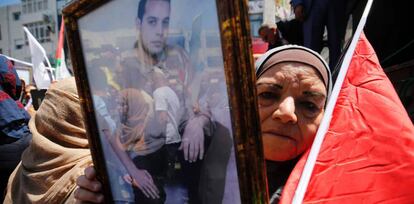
point(8, 2)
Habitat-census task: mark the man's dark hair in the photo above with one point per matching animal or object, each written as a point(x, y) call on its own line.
point(141, 8)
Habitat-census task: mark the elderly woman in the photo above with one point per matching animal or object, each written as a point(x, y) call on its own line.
point(293, 84)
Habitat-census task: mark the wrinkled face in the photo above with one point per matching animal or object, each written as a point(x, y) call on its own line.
point(291, 99)
point(154, 26)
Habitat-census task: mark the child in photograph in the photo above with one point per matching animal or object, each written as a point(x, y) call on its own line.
point(167, 106)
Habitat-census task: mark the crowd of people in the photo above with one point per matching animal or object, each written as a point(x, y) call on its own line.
point(312, 18)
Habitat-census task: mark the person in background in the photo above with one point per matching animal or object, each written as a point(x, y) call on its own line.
point(22, 92)
point(270, 34)
point(293, 86)
point(315, 15)
point(58, 153)
point(14, 132)
point(27, 100)
point(292, 31)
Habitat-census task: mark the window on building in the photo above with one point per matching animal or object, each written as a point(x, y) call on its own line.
point(1, 51)
point(18, 43)
point(16, 16)
point(256, 21)
point(0, 32)
point(32, 6)
point(36, 31)
point(42, 32)
point(40, 5)
point(39, 30)
point(44, 4)
point(24, 8)
point(29, 6)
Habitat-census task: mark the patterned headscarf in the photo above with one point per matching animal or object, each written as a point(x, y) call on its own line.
point(295, 53)
point(13, 117)
point(9, 80)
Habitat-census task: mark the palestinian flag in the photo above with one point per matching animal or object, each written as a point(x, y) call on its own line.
point(364, 149)
point(61, 71)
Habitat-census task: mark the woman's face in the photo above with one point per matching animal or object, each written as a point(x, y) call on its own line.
point(291, 99)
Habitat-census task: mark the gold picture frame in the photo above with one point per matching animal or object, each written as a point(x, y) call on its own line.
point(128, 79)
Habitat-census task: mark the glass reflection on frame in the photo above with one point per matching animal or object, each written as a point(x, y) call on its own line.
point(160, 98)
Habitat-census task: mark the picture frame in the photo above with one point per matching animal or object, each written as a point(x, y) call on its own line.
point(167, 92)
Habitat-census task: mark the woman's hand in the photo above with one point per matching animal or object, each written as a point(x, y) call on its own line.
point(89, 188)
point(143, 180)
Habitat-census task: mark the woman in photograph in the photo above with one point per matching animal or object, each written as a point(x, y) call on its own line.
point(140, 141)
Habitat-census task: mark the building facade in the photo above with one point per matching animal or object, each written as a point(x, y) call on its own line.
point(41, 17)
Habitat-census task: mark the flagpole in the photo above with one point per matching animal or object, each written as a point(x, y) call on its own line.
point(18, 61)
point(50, 69)
point(323, 128)
point(59, 49)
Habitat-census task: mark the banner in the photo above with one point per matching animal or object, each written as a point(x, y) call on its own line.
point(41, 74)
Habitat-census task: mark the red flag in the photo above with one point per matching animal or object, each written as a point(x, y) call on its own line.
point(61, 69)
point(367, 155)
point(60, 41)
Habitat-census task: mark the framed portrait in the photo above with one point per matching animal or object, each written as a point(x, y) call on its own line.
point(167, 90)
